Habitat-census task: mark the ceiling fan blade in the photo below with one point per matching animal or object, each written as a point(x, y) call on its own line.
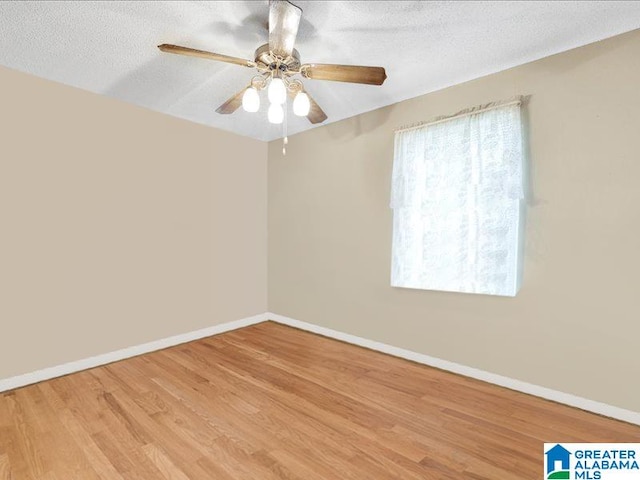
point(344, 73)
point(316, 114)
point(232, 104)
point(284, 19)
point(192, 52)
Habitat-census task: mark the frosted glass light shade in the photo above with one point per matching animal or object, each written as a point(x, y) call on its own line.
point(251, 100)
point(277, 92)
point(275, 113)
point(301, 104)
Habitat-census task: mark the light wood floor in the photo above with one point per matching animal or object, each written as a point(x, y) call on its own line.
point(272, 402)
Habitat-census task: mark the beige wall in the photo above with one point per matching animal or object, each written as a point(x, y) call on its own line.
point(119, 226)
point(575, 325)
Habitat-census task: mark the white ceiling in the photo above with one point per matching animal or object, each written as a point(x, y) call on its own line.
point(110, 48)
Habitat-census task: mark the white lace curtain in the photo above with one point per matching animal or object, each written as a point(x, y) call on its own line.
point(457, 200)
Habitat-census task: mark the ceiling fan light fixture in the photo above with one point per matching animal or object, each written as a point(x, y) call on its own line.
point(277, 62)
point(301, 104)
point(275, 113)
point(277, 91)
point(251, 100)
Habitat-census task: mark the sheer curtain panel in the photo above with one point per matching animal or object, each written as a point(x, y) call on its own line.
point(458, 203)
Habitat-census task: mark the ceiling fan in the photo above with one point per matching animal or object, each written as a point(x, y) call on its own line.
point(277, 62)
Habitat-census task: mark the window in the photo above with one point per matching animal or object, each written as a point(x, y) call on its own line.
point(457, 200)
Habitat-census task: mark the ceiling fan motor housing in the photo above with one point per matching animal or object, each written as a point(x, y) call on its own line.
point(265, 58)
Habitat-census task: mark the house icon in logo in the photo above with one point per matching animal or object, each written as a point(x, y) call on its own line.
point(558, 454)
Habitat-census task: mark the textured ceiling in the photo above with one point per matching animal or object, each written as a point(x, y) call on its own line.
point(110, 48)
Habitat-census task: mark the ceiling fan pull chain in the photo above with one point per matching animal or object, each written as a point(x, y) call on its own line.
point(285, 139)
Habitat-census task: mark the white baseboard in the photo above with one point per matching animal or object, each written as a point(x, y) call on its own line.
point(513, 384)
point(91, 362)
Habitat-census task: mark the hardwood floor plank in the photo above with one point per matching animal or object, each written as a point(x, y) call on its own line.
point(28, 459)
point(270, 402)
point(5, 467)
point(65, 459)
point(163, 463)
point(96, 457)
